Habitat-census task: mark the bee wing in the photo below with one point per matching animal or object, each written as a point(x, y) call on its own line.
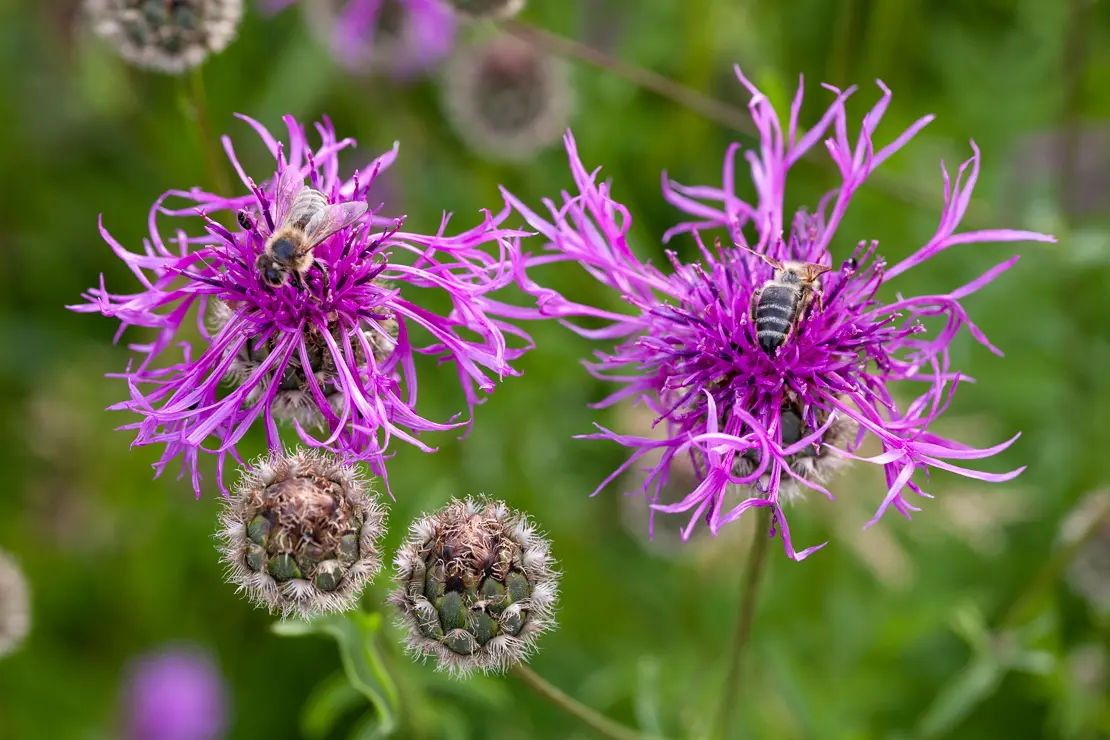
point(289, 186)
point(329, 220)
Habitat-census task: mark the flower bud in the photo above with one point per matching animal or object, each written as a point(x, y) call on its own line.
point(301, 533)
point(480, 10)
point(15, 607)
point(476, 586)
point(169, 37)
point(506, 98)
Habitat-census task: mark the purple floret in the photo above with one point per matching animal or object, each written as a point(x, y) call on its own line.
point(357, 327)
point(688, 349)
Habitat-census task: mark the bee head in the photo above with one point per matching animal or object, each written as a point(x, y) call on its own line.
point(270, 271)
point(283, 250)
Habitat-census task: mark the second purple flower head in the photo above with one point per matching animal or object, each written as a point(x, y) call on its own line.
point(766, 360)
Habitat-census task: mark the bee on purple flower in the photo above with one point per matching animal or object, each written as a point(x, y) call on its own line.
point(765, 360)
point(307, 312)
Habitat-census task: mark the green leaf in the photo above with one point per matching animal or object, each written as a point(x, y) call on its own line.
point(356, 633)
point(331, 699)
point(960, 696)
point(647, 696)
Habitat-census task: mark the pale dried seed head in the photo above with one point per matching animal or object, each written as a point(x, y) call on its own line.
point(15, 606)
point(507, 99)
point(476, 587)
point(169, 36)
point(301, 534)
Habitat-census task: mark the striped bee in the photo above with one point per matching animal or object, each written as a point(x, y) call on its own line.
point(780, 303)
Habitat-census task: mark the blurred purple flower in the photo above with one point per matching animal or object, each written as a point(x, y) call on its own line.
point(335, 353)
point(766, 422)
point(398, 37)
point(175, 694)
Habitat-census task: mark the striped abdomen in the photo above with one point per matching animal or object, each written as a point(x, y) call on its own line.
point(775, 313)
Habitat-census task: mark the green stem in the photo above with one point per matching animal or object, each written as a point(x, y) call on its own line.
point(1049, 573)
point(196, 111)
point(590, 717)
point(757, 556)
point(714, 110)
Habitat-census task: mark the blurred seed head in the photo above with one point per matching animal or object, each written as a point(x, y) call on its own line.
point(294, 397)
point(814, 463)
point(476, 586)
point(169, 36)
point(15, 606)
point(507, 99)
point(175, 693)
point(1089, 571)
point(480, 10)
point(300, 535)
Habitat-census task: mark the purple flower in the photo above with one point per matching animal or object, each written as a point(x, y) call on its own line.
point(174, 694)
point(398, 37)
point(332, 351)
point(755, 417)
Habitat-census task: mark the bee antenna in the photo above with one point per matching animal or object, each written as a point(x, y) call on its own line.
point(769, 260)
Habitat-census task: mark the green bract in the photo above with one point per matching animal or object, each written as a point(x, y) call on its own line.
point(475, 586)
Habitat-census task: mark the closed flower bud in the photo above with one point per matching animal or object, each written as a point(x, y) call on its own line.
point(478, 10)
point(15, 609)
point(506, 98)
point(169, 36)
point(300, 535)
point(476, 586)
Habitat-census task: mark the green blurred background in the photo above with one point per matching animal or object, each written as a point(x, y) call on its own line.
point(873, 637)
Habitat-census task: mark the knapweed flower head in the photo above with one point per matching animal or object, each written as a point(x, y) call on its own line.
point(476, 586)
point(174, 693)
point(506, 98)
point(301, 534)
point(169, 36)
point(399, 38)
point(481, 10)
point(15, 606)
point(767, 359)
point(323, 337)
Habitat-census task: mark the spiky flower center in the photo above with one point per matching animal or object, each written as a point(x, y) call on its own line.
point(303, 527)
point(474, 579)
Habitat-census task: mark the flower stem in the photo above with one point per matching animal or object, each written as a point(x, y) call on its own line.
point(711, 108)
point(757, 556)
point(590, 717)
point(1049, 573)
point(195, 106)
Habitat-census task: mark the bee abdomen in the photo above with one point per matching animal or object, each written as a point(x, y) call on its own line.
point(774, 315)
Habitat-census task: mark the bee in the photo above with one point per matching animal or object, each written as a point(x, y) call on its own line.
point(780, 303)
point(304, 219)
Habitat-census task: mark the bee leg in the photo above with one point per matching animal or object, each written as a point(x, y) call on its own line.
point(816, 298)
point(323, 275)
point(755, 302)
point(295, 279)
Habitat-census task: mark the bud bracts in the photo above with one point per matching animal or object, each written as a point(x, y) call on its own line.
point(476, 586)
point(300, 534)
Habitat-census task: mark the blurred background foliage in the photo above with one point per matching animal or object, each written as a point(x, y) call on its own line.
point(908, 629)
